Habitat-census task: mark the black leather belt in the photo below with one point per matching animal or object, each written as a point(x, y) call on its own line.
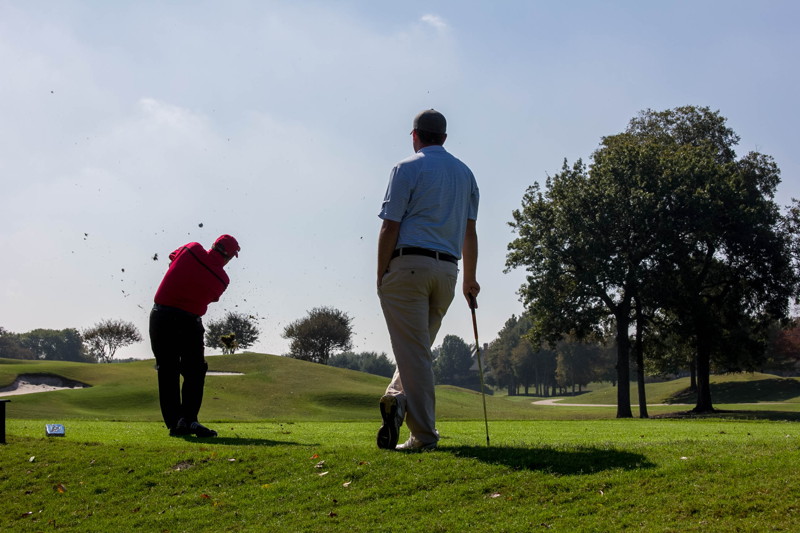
point(441, 256)
point(176, 310)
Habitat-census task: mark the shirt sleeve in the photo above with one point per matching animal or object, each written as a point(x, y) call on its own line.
point(398, 192)
point(474, 200)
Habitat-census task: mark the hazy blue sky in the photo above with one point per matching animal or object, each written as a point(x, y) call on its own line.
point(125, 126)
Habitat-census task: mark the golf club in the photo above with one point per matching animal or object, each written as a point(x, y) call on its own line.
point(473, 303)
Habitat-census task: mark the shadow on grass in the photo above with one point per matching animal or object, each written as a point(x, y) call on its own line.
point(763, 390)
point(238, 441)
point(774, 416)
point(565, 462)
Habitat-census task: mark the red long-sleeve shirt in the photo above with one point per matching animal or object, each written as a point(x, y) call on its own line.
point(195, 278)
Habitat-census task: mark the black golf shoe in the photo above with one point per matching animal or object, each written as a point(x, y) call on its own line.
point(181, 429)
point(201, 431)
point(392, 413)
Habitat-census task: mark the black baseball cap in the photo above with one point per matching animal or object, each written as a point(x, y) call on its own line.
point(431, 121)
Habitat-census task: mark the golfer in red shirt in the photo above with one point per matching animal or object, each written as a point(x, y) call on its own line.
point(195, 278)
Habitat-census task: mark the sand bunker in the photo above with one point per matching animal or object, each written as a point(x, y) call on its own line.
point(32, 383)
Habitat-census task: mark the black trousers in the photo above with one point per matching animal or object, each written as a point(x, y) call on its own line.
point(177, 341)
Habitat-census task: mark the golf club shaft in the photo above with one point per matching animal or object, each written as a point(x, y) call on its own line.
point(473, 305)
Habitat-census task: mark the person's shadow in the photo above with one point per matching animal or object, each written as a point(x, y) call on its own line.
point(239, 441)
point(577, 461)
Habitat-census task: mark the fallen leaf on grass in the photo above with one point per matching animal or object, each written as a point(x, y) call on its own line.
point(315, 456)
point(346, 484)
point(320, 464)
point(205, 496)
point(322, 474)
point(332, 514)
point(231, 460)
point(60, 488)
point(266, 486)
point(495, 495)
point(32, 459)
point(23, 515)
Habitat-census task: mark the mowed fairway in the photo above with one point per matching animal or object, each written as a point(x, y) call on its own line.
point(296, 452)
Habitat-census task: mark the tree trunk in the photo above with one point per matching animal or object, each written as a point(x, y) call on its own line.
point(623, 363)
point(639, 351)
point(704, 404)
point(693, 374)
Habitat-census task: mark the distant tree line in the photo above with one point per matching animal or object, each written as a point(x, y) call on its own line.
point(96, 344)
point(369, 362)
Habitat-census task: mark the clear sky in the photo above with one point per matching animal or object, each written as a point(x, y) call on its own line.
point(129, 128)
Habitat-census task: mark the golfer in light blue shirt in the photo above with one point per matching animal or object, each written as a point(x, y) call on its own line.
point(429, 214)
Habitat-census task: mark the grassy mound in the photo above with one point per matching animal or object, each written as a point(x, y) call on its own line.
point(270, 388)
point(281, 388)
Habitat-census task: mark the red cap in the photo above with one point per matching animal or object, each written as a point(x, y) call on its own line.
point(227, 246)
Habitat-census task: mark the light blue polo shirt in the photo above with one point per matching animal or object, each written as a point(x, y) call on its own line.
point(431, 194)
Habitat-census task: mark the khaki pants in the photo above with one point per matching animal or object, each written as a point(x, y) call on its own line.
point(415, 294)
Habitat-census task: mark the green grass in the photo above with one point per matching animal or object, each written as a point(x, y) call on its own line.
point(272, 388)
point(285, 423)
point(601, 475)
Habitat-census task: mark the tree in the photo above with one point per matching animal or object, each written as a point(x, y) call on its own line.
point(11, 346)
point(315, 337)
point(369, 362)
point(107, 336)
point(453, 362)
point(499, 362)
point(784, 347)
point(578, 363)
point(584, 242)
point(236, 330)
point(729, 260)
point(55, 344)
point(665, 219)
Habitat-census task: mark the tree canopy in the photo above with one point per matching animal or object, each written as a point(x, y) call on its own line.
point(452, 363)
point(323, 331)
point(54, 344)
point(107, 336)
point(665, 223)
point(234, 331)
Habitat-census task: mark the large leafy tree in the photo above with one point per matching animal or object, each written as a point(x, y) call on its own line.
point(453, 361)
point(499, 356)
point(11, 346)
point(728, 261)
point(586, 241)
point(107, 336)
point(665, 219)
point(55, 344)
point(234, 331)
point(323, 331)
